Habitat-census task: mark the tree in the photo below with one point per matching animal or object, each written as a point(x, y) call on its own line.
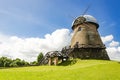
point(39, 57)
point(18, 62)
point(1, 62)
point(5, 62)
point(13, 64)
point(24, 63)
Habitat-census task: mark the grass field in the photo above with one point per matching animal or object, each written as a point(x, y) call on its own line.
point(79, 70)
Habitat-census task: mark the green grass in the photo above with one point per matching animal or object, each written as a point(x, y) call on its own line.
point(75, 70)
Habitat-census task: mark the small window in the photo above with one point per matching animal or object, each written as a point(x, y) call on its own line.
point(79, 29)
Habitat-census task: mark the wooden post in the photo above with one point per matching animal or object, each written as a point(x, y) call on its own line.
point(55, 61)
point(50, 61)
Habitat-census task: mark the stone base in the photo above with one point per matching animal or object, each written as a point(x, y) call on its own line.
point(89, 53)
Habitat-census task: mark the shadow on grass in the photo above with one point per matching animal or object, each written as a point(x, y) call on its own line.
point(7, 67)
point(13, 67)
point(69, 62)
point(119, 62)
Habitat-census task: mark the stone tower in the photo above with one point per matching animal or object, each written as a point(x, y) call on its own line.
point(86, 42)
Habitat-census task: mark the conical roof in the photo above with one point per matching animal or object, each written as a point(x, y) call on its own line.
point(88, 18)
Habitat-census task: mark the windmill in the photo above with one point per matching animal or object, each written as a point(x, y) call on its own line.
point(86, 42)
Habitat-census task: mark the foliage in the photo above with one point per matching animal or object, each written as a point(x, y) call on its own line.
point(80, 70)
point(67, 63)
point(34, 63)
point(7, 62)
point(39, 57)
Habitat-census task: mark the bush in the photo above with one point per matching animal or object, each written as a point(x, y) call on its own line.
point(34, 63)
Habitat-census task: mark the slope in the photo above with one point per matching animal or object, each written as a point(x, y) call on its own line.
point(75, 70)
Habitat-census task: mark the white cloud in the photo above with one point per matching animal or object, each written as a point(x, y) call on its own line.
point(107, 38)
point(114, 44)
point(28, 48)
point(113, 47)
point(114, 53)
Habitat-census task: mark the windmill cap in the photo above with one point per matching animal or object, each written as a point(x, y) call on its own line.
point(88, 18)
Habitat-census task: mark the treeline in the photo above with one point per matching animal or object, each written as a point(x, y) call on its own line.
point(7, 62)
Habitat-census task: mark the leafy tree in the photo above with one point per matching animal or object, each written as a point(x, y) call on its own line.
point(18, 62)
point(24, 63)
point(1, 62)
point(39, 57)
point(13, 64)
point(5, 62)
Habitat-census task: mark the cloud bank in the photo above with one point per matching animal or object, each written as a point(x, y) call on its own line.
point(29, 48)
point(113, 47)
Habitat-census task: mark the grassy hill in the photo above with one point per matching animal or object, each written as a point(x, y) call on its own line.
point(75, 70)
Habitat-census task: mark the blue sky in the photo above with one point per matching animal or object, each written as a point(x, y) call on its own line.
point(35, 18)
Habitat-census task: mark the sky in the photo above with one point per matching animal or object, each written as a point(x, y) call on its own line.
point(28, 27)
